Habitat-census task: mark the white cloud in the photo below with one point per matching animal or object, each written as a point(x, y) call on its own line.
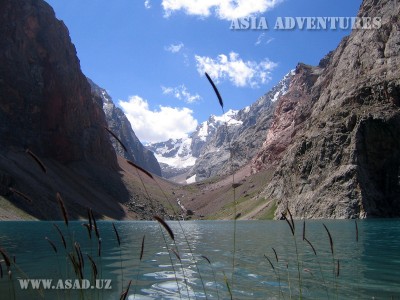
point(147, 4)
point(174, 48)
point(158, 125)
point(181, 93)
point(223, 9)
point(232, 67)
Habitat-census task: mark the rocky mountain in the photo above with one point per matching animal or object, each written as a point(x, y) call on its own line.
point(119, 124)
point(52, 136)
point(206, 153)
point(178, 156)
point(336, 133)
point(233, 146)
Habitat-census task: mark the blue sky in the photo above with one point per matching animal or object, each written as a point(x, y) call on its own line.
point(150, 55)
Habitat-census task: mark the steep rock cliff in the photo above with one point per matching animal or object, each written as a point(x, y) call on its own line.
point(119, 124)
point(344, 160)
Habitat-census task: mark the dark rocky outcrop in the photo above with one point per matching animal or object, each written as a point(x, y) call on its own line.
point(342, 157)
point(46, 105)
point(119, 124)
point(45, 100)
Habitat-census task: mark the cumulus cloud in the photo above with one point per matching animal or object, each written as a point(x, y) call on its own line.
point(174, 48)
point(181, 92)
point(241, 73)
point(158, 125)
point(223, 9)
point(147, 4)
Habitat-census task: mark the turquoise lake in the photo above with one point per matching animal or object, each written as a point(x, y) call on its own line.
point(365, 269)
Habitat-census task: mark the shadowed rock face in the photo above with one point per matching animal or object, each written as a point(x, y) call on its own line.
point(119, 124)
point(45, 100)
point(343, 160)
point(46, 105)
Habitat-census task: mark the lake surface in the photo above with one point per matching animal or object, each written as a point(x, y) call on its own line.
point(368, 269)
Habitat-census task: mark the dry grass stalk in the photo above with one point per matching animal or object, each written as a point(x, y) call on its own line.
point(140, 168)
point(166, 226)
point(89, 212)
point(176, 254)
point(1, 271)
point(6, 259)
point(88, 227)
point(22, 195)
point(116, 234)
point(125, 294)
point(356, 231)
point(62, 207)
point(75, 263)
point(276, 255)
point(270, 262)
point(37, 160)
point(291, 219)
point(142, 248)
point(221, 103)
point(94, 267)
point(338, 269)
point(61, 235)
point(330, 238)
point(96, 229)
point(287, 221)
point(117, 138)
point(79, 254)
point(304, 230)
point(99, 247)
point(206, 258)
point(51, 244)
point(312, 247)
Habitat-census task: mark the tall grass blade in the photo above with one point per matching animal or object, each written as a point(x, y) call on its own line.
point(51, 244)
point(89, 212)
point(311, 245)
point(6, 259)
point(356, 230)
point(140, 168)
point(330, 238)
point(22, 195)
point(228, 287)
point(125, 294)
point(287, 221)
point(37, 160)
point(61, 235)
point(221, 103)
point(117, 138)
point(338, 268)
point(62, 207)
point(142, 248)
point(88, 229)
point(166, 226)
point(96, 229)
point(99, 247)
point(270, 262)
point(276, 255)
point(116, 234)
point(94, 267)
